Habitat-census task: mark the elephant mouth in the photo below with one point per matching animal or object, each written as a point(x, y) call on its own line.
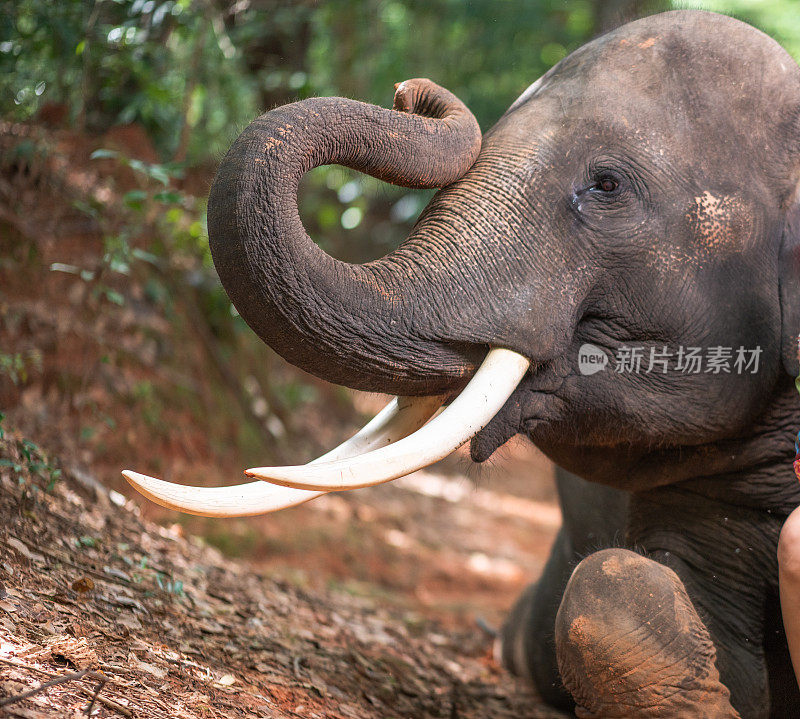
point(408, 434)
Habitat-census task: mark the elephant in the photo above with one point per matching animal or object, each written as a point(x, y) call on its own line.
point(639, 204)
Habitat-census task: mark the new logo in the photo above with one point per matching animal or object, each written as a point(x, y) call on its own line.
point(591, 359)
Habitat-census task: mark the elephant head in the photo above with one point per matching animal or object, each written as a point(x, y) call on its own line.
point(642, 194)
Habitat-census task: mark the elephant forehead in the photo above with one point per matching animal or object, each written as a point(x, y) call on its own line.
point(677, 69)
point(705, 48)
point(702, 97)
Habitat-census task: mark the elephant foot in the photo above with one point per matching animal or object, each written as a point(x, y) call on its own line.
point(630, 643)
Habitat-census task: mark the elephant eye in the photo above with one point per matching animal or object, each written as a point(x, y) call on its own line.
point(606, 184)
point(603, 185)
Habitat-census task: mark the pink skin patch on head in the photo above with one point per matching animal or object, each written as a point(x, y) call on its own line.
point(721, 224)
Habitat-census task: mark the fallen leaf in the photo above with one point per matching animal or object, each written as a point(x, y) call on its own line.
point(83, 585)
point(226, 680)
point(7, 624)
point(20, 548)
point(130, 622)
point(152, 669)
point(76, 651)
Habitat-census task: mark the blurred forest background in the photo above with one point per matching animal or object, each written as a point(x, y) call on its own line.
point(119, 349)
point(118, 346)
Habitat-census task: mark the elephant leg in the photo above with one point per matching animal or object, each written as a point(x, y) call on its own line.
point(630, 643)
point(594, 517)
point(527, 644)
point(725, 554)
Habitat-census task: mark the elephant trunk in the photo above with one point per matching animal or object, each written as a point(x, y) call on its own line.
point(349, 324)
point(416, 322)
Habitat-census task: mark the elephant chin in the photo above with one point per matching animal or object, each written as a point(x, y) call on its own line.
point(523, 410)
point(504, 425)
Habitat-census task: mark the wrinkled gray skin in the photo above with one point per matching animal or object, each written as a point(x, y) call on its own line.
point(643, 192)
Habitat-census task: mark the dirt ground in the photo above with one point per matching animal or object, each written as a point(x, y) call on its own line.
point(310, 628)
point(372, 603)
point(457, 541)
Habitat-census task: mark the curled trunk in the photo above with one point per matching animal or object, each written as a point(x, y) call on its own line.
point(360, 325)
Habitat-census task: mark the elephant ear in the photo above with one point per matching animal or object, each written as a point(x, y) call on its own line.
point(789, 279)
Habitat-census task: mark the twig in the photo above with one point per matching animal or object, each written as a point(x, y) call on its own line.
point(110, 703)
point(61, 680)
point(454, 701)
point(194, 64)
point(100, 685)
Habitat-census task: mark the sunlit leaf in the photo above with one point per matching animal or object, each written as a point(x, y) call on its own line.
point(135, 199)
point(103, 154)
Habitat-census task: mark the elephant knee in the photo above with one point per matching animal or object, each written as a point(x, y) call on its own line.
point(629, 642)
point(608, 586)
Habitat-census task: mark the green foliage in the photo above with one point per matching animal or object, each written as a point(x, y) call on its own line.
point(27, 460)
point(179, 225)
point(486, 52)
point(17, 366)
point(210, 67)
point(160, 172)
point(160, 63)
point(180, 218)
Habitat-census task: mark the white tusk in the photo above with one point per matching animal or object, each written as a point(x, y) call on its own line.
point(470, 412)
point(401, 417)
point(240, 501)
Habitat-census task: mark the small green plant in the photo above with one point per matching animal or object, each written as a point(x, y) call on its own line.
point(17, 366)
point(171, 586)
point(29, 460)
point(148, 403)
point(177, 216)
point(180, 218)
